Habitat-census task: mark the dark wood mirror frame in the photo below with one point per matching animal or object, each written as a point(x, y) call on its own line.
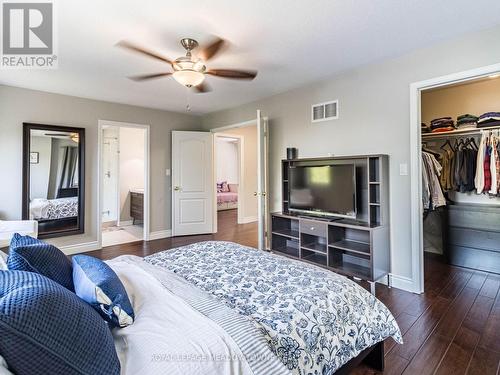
point(80, 218)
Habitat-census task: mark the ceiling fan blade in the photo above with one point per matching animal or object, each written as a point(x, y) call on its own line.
point(202, 88)
point(144, 51)
point(209, 51)
point(145, 77)
point(233, 73)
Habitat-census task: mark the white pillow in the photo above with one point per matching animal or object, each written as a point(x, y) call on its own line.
point(3, 261)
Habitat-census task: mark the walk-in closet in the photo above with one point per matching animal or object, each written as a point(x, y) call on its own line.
point(461, 173)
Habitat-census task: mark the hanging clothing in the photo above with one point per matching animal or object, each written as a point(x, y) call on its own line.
point(487, 170)
point(479, 178)
point(433, 196)
point(493, 165)
point(446, 163)
point(497, 150)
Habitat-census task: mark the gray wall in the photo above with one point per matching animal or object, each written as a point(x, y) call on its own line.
point(374, 118)
point(20, 105)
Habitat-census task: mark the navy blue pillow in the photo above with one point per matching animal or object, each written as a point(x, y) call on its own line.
point(46, 329)
point(30, 254)
point(97, 284)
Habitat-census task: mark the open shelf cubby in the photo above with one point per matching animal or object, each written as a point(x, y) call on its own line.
point(358, 246)
point(314, 257)
point(349, 265)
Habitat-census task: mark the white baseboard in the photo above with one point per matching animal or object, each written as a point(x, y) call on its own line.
point(247, 219)
point(80, 248)
point(124, 223)
point(404, 283)
point(160, 234)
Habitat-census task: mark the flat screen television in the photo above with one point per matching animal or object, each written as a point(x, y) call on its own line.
point(326, 190)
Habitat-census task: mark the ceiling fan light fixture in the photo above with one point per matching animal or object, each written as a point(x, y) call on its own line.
point(189, 78)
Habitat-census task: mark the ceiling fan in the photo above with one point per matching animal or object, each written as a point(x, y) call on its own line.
point(189, 70)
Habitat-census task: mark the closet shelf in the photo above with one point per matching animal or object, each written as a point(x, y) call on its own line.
point(458, 132)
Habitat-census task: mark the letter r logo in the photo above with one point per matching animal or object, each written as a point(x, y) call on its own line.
point(27, 28)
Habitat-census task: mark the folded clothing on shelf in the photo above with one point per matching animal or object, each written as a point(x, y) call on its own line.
point(424, 128)
point(445, 129)
point(467, 125)
point(467, 121)
point(489, 119)
point(442, 122)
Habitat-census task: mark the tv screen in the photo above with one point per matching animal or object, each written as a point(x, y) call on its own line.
point(326, 190)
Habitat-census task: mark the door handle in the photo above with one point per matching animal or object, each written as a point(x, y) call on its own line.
point(255, 194)
point(177, 188)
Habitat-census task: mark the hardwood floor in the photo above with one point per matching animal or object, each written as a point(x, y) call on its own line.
point(453, 328)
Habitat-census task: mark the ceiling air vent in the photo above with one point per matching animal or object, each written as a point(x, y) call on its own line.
point(325, 111)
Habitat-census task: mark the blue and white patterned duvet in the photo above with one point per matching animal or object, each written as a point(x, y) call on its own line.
point(314, 320)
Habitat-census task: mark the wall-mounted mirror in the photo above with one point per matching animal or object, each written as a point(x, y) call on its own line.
point(54, 178)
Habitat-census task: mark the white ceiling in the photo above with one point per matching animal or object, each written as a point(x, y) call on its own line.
point(290, 43)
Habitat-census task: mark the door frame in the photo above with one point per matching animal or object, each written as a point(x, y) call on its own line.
point(147, 154)
point(241, 175)
point(117, 179)
point(243, 124)
point(416, 210)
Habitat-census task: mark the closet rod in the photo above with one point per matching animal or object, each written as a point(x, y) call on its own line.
point(458, 133)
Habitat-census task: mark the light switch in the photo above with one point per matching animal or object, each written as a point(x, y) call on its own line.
point(167, 172)
point(403, 169)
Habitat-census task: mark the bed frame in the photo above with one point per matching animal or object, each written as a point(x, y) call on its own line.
point(372, 356)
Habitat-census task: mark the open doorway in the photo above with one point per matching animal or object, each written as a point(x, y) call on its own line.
point(455, 208)
point(235, 174)
point(123, 176)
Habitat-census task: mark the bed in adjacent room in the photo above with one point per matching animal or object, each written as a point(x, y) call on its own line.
point(227, 196)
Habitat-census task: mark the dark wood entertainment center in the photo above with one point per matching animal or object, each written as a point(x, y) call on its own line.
point(358, 247)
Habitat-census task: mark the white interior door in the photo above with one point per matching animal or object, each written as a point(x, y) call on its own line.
point(192, 183)
point(262, 180)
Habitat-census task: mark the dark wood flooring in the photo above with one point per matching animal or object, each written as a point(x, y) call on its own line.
point(453, 328)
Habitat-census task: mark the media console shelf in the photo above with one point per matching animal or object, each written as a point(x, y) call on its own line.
point(358, 248)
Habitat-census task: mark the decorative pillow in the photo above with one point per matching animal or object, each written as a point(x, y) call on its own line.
point(30, 254)
point(219, 187)
point(233, 188)
point(97, 284)
point(225, 187)
point(3, 261)
point(46, 329)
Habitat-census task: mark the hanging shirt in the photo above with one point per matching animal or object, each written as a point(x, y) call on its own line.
point(433, 194)
point(479, 179)
point(493, 165)
point(487, 170)
point(446, 163)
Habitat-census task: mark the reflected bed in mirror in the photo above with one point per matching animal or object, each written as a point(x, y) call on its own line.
point(53, 178)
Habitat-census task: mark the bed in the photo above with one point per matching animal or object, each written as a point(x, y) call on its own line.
point(222, 308)
point(53, 209)
point(227, 200)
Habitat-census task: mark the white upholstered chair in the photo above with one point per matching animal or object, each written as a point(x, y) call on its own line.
point(24, 227)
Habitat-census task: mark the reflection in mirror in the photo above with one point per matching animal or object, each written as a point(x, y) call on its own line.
point(52, 179)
